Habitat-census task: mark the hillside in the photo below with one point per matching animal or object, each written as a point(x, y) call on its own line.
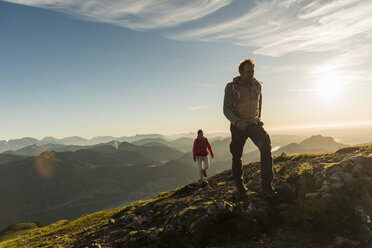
point(56, 185)
point(324, 201)
point(315, 143)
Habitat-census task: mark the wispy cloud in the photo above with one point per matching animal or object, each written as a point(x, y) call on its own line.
point(196, 108)
point(204, 85)
point(278, 27)
point(271, 27)
point(134, 14)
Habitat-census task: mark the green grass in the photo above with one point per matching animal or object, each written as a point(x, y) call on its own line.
point(308, 155)
point(19, 229)
point(221, 183)
point(62, 232)
point(306, 169)
point(188, 211)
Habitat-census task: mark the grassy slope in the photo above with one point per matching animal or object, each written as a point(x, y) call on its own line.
point(19, 229)
point(186, 204)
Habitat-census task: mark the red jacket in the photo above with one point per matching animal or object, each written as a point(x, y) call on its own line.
point(201, 147)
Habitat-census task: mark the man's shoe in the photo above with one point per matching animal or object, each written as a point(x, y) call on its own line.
point(204, 172)
point(202, 183)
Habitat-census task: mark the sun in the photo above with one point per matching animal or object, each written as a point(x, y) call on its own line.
point(330, 85)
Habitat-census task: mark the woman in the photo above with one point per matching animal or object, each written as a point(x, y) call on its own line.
point(200, 153)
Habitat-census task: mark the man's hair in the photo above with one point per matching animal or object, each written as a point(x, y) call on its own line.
point(249, 61)
point(200, 131)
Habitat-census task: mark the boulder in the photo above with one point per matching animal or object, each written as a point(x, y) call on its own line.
point(344, 242)
point(199, 221)
point(312, 195)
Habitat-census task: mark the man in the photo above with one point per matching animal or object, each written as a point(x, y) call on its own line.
point(200, 153)
point(242, 107)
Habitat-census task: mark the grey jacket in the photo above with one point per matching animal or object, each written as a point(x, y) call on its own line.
point(232, 99)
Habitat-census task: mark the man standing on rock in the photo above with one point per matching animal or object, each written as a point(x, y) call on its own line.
point(242, 107)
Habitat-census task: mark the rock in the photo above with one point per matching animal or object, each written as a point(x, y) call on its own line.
point(212, 210)
point(251, 208)
point(146, 220)
point(365, 230)
point(129, 218)
point(334, 169)
point(284, 210)
point(337, 158)
point(336, 177)
point(326, 195)
point(336, 185)
point(325, 186)
point(319, 179)
point(312, 195)
point(284, 214)
point(264, 216)
point(286, 191)
point(353, 159)
point(357, 169)
point(202, 219)
point(349, 163)
point(166, 211)
point(344, 242)
point(153, 236)
point(259, 202)
point(225, 206)
point(167, 221)
point(170, 228)
point(347, 178)
point(133, 221)
point(137, 221)
point(368, 169)
point(111, 221)
point(364, 216)
point(284, 206)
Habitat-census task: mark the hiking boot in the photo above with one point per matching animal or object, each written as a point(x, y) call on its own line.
point(204, 172)
point(268, 190)
point(202, 183)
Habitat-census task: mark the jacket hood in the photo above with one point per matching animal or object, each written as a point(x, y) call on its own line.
point(239, 81)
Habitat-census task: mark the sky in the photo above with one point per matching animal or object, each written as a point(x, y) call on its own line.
point(95, 68)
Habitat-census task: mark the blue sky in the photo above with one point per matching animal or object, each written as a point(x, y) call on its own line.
point(118, 68)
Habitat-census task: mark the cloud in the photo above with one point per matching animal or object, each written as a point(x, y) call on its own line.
point(271, 27)
point(277, 27)
point(196, 108)
point(134, 14)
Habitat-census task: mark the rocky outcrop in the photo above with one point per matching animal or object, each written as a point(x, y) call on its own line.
point(324, 200)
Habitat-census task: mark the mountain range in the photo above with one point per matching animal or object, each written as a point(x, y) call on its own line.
point(15, 144)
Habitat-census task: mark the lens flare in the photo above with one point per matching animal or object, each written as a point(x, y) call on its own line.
point(44, 163)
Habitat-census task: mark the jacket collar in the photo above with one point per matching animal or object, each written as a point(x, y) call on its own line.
point(237, 80)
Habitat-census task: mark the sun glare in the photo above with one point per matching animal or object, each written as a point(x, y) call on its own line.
point(330, 85)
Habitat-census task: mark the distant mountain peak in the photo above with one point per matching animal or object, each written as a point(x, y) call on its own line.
point(316, 140)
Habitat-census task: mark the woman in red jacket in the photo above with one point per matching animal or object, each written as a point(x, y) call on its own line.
point(200, 153)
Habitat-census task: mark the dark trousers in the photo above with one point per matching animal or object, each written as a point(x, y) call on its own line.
point(262, 140)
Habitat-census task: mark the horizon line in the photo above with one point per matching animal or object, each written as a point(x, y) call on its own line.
point(303, 127)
